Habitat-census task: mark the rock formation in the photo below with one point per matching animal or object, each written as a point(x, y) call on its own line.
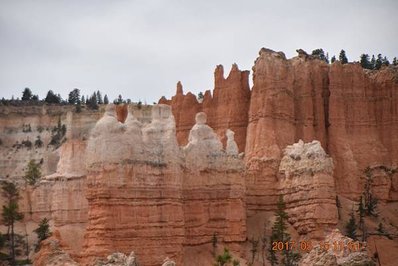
point(226, 109)
point(52, 253)
point(164, 180)
point(339, 253)
point(306, 181)
point(144, 193)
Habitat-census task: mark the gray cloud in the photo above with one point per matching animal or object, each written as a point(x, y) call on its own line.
point(140, 49)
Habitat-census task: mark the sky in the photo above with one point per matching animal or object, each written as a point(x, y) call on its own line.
point(141, 49)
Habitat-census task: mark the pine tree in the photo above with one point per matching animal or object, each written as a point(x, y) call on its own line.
point(99, 98)
point(11, 214)
point(342, 57)
point(214, 243)
point(370, 202)
point(395, 61)
point(333, 59)
point(351, 227)
point(373, 62)
point(33, 172)
point(83, 100)
point(106, 101)
point(43, 231)
point(52, 98)
point(385, 61)
point(200, 96)
point(365, 62)
point(379, 62)
point(320, 54)
point(338, 205)
point(361, 213)
point(119, 99)
point(26, 94)
point(74, 96)
point(280, 234)
point(92, 103)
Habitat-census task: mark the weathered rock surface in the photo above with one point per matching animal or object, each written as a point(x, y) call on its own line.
point(226, 109)
point(52, 253)
point(145, 193)
point(307, 185)
point(345, 256)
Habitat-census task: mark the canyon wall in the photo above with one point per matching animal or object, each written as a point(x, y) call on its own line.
point(352, 112)
point(164, 181)
point(226, 108)
point(147, 194)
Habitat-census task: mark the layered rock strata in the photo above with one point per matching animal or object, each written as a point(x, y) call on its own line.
point(226, 109)
point(307, 185)
point(146, 194)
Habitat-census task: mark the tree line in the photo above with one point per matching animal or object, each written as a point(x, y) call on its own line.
point(74, 98)
point(368, 62)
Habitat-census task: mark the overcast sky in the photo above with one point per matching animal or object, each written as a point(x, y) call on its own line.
point(140, 49)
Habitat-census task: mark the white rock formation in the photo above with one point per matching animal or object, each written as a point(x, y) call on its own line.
point(106, 143)
point(303, 157)
point(160, 136)
point(232, 148)
point(203, 146)
point(134, 136)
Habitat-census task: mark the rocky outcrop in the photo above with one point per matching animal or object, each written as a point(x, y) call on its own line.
point(341, 251)
point(344, 107)
point(226, 109)
point(52, 253)
point(307, 185)
point(145, 193)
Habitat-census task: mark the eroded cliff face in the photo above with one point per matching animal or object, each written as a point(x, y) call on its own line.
point(162, 182)
point(147, 194)
point(226, 109)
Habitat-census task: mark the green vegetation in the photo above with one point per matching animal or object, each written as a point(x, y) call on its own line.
point(200, 96)
point(351, 227)
point(74, 96)
point(343, 57)
point(11, 214)
point(52, 98)
point(58, 134)
point(321, 55)
point(226, 259)
point(338, 205)
point(43, 231)
point(374, 63)
point(370, 202)
point(279, 234)
point(214, 243)
point(106, 100)
point(33, 173)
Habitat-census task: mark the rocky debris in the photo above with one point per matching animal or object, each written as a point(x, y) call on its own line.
point(168, 262)
point(338, 257)
point(119, 259)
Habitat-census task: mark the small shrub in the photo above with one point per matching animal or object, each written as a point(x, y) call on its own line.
point(27, 144)
point(33, 172)
point(38, 142)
